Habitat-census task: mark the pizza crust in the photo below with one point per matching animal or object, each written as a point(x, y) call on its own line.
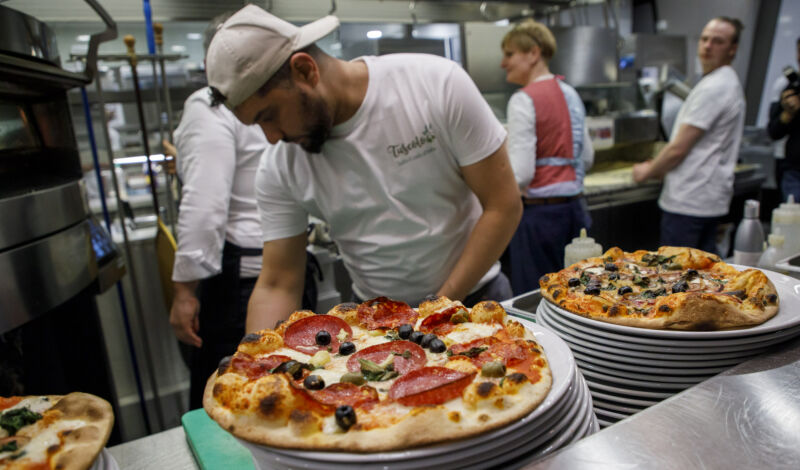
point(424, 425)
point(81, 445)
point(268, 411)
point(749, 298)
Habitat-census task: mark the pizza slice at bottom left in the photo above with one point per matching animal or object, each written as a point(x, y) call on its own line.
point(67, 432)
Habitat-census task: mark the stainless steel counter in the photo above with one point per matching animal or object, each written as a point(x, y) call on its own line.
point(746, 417)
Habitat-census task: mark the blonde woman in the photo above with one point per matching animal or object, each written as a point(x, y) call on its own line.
point(550, 152)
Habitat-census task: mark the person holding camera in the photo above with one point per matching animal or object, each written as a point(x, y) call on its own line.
point(698, 163)
point(784, 122)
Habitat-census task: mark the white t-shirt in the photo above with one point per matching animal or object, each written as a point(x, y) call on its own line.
point(217, 162)
point(389, 181)
point(702, 184)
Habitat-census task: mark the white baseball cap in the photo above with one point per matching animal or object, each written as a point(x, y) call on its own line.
point(251, 46)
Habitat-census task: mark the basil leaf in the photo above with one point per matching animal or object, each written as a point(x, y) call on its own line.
point(472, 352)
point(10, 447)
point(17, 418)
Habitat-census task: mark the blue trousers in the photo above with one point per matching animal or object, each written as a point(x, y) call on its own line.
point(790, 184)
point(537, 247)
point(688, 230)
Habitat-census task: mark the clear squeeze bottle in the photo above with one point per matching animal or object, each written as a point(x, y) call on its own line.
point(748, 244)
point(581, 248)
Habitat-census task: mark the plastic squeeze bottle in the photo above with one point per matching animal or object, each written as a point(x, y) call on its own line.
point(748, 245)
point(774, 252)
point(581, 248)
point(786, 218)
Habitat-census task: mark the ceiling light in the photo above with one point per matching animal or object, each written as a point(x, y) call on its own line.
point(178, 48)
point(83, 38)
point(194, 36)
point(374, 34)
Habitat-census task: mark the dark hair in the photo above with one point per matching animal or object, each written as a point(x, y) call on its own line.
point(738, 26)
point(281, 77)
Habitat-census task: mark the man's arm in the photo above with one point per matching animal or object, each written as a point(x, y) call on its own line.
point(670, 156)
point(183, 314)
point(492, 180)
point(279, 288)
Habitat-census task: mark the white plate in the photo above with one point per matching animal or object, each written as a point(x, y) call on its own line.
point(596, 342)
point(562, 367)
point(598, 394)
point(604, 424)
point(557, 436)
point(689, 380)
point(788, 316)
point(628, 410)
point(104, 461)
point(605, 414)
point(644, 368)
point(627, 390)
point(752, 341)
point(676, 387)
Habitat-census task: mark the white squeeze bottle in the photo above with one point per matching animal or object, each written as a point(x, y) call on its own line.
point(581, 248)
point(786, 218)
point(774, 252)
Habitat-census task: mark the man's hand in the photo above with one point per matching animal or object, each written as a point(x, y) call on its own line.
point(790, 103)
point(641, 171)
point(183, 316)
point(169, 151)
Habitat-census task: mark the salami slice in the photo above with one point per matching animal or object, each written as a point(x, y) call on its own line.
point(255, 368)
point(382, 312)
point(302, 334)
point(439, 323)
point(345, 394)
point(429, 386)
point(380, 352)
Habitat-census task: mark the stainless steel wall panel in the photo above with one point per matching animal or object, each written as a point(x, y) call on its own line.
point(39, 213)
point(586, 55)
point(39, 276)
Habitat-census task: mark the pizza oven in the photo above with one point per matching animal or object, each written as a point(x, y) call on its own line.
point(52, 252)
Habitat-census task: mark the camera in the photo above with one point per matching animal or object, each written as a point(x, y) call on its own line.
point(793, 78)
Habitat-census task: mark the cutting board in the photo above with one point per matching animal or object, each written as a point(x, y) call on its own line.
point(213, 447)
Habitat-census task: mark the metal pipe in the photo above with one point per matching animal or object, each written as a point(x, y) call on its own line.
point(130, 42)
point(158, 29)
point(120, 292)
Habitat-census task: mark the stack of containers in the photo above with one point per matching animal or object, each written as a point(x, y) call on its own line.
point(786, 221)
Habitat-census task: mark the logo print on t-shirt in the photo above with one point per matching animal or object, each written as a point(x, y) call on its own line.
point(418, 147)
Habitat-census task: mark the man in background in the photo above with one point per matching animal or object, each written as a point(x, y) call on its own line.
point(784, 123)
point(698, 162)
point(219, 234)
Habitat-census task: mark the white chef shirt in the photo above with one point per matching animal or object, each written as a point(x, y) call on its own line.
point(389, 181)
point(521, 116)
point(702, 184)
point(217, 162)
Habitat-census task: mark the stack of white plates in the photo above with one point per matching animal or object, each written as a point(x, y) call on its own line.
point(563, 417)
point(628, 369)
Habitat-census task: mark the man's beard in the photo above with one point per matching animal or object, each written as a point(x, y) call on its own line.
point(319, 124)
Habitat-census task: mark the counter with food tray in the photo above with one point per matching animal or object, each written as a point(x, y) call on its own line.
point(675, 398)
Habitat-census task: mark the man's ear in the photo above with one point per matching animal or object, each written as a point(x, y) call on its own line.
point(304, 69)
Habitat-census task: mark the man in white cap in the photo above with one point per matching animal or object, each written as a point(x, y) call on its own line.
point(400, 154)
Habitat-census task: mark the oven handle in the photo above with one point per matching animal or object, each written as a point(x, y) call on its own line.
point(97, 38)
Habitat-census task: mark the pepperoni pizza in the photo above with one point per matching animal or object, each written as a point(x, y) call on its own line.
point(672, 288)
point(379, 376)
